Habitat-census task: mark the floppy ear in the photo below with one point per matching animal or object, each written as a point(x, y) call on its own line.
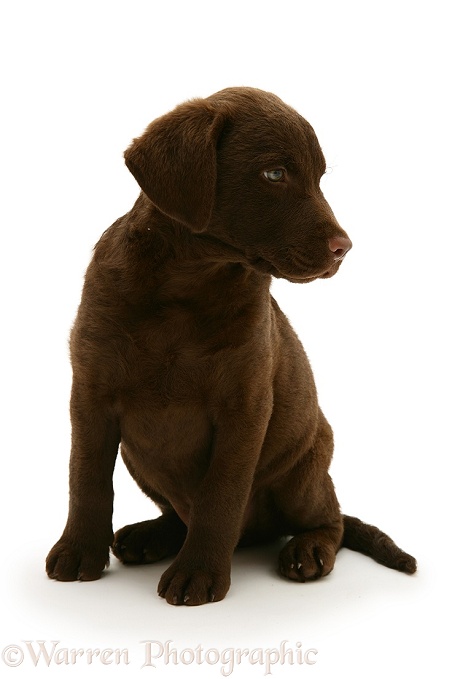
point(174, 162)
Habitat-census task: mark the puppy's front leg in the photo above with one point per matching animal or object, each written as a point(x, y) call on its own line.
point(83, 549)
point(201, 571)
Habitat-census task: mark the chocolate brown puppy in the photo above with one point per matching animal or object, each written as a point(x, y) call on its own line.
point(183, 360)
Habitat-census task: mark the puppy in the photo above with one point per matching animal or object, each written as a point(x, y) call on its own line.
point(182, 358)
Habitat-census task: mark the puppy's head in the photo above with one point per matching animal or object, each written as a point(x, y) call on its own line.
point(245, 168)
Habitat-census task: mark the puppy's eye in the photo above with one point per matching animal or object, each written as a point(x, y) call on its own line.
point(274, 175)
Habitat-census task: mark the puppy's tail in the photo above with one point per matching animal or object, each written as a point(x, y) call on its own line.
point(371, 541)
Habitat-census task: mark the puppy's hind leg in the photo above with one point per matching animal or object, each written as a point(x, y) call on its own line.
point(311, 513)
point(150, 541)
point(310, 554)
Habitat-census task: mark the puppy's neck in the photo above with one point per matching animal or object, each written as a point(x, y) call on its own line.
point(148, 254)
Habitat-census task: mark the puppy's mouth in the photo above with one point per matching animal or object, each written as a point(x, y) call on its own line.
point(292, 270)
point(294, 277)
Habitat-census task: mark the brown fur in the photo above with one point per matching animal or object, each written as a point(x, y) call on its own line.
point(181, 356)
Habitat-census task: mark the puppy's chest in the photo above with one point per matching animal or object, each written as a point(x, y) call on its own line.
point(172, 357)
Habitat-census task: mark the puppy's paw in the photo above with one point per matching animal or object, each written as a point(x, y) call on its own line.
point(68, 561)
point(307, 557)
point(149, 541)
point(193, 584)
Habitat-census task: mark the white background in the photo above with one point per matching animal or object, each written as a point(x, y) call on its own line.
point(79, 80)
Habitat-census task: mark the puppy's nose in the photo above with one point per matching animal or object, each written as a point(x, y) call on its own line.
point(339, 246)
